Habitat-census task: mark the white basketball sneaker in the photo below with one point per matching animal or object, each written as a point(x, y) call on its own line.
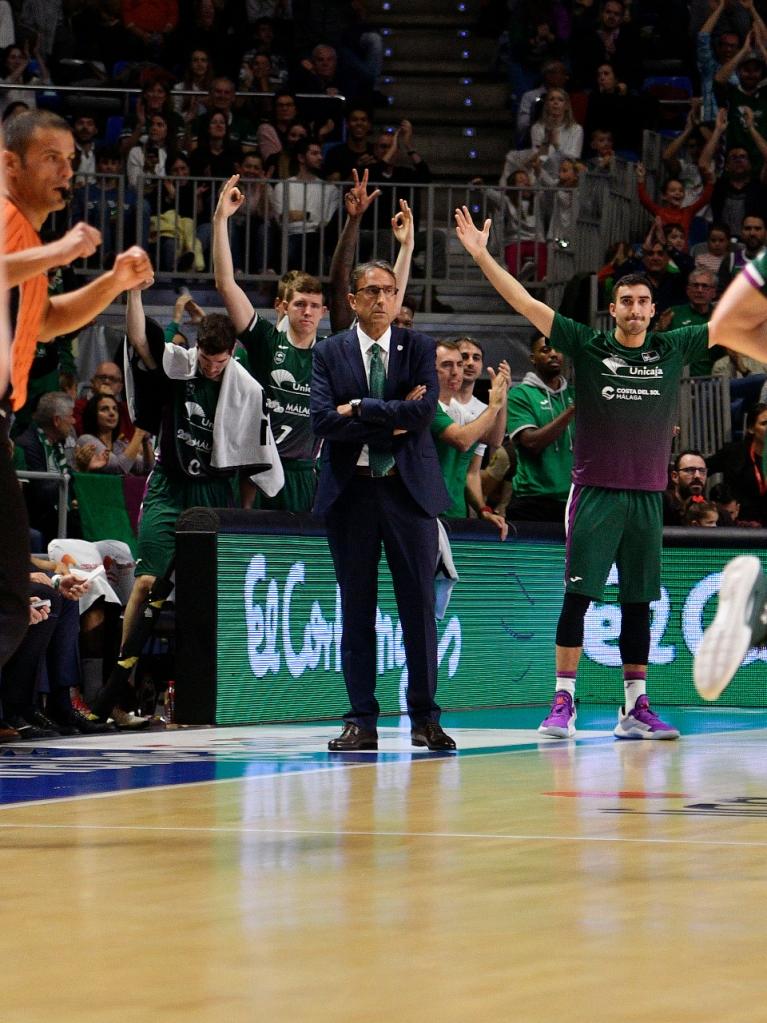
point(740, 623)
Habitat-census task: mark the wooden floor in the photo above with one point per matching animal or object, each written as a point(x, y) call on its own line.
point(242, 874)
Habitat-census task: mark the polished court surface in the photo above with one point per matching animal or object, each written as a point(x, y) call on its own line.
point(245, 874)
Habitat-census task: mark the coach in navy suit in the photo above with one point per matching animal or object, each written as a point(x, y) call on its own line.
point(380, 483)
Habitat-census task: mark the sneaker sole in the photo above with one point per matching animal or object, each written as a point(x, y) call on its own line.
point(727, 640)
point(556, 732)
point(638, 733)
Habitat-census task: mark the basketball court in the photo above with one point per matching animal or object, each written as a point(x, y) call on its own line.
point(243, 873)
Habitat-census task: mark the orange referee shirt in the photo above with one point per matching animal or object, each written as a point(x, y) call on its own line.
point(18, 234)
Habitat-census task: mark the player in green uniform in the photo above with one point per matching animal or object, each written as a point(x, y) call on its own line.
point(739, 322)
point(281, 362)
point(625, 398)
point(182, 405)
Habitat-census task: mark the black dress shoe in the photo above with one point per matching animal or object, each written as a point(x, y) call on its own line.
point(28, 731)
point(353, 738)
point(430, 734)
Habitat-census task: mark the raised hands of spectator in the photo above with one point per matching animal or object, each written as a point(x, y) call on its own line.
point(357, 199)
point(505, 369)
point(405, 134)
point(641, 172)
point(403, 225)
point(326, 129)
point(79, 242)
point(230, 198)
point(389, 157)
point(472, 239)
point(132, 269)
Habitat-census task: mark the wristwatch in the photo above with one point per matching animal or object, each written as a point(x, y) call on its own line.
point(355, 406)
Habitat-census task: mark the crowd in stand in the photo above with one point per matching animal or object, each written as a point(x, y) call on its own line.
point(219, 101)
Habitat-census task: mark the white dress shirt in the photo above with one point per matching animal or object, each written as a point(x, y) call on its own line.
point(366, 344)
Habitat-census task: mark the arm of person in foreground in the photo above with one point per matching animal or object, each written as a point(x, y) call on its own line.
point(78, 243)
point(65, 313)
point(739, 320)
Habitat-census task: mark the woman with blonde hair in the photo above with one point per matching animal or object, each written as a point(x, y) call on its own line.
point(557, 131)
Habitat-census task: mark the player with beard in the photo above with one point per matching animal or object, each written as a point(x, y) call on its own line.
point(626, 388)
point(688, 483)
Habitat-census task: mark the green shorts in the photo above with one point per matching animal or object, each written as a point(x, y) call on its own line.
point(298, 493)
point(620, 526)
point(164, 501)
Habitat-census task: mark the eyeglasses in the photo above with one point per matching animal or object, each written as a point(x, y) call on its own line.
point(108, 378)
point(372, 291)
point(696, 471)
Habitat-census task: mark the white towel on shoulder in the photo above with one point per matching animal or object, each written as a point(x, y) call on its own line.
point(241, 401)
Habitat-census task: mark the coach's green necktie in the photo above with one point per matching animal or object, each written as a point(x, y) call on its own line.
point(380, 461)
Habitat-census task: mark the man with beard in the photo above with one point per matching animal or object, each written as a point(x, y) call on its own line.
point(627, 381)
point(688, 483)
point(540, 422)
point(753, 235)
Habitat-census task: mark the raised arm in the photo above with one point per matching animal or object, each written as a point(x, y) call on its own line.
point(237, 303)
point(356, 202)
point(709, 24)
point(135, 328)
point(403, 228)
point(518, 297)
point(708, 152)
point(722, 76)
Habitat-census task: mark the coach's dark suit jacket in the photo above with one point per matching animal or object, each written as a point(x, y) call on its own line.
point(338, 376)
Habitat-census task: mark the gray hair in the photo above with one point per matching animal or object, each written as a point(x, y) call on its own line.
point(361, 269)
point(52, 404)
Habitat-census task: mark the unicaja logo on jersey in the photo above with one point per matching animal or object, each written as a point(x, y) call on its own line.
point(283, 378)
point(620, 368)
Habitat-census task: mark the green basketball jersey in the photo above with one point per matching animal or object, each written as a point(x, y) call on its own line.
point(285, 373)
point(626, 402)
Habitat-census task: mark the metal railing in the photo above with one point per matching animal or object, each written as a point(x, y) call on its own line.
point(62, 480)
point(171, 217)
